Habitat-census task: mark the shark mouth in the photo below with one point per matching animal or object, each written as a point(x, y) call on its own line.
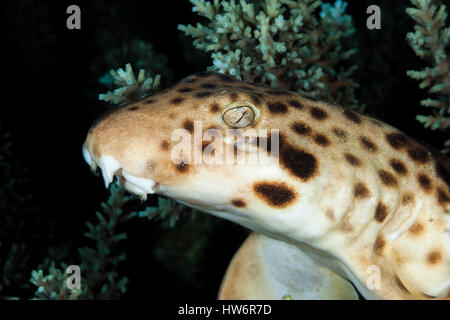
point(110, 168)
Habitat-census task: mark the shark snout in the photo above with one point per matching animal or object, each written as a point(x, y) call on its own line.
point(111, 167)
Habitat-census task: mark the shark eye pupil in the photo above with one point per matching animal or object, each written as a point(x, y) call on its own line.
point(239, 117)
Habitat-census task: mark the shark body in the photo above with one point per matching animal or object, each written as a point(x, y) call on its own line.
point(353, 194)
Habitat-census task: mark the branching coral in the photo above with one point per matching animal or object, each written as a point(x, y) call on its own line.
point(168, 211)
point(144, 59)
point(100, 278)
point(282, 43)
point(143, 56)
point(430, 41)
point(53, 286)
point(98, 266)
point(130, 89)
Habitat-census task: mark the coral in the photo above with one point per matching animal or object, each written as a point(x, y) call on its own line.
point(430, 42)
point(98, 266)
point(169, 211)
point(143, 56)
point(53, 286)
point(281, 43)
point(130, 89)
point(184, 251)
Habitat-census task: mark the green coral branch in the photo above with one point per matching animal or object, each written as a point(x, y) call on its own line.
point(430, 41)
point(143, 56)
point(53, 286)
point(281, 43)
point(169, 211)
point(129, 88)
point(99, 264)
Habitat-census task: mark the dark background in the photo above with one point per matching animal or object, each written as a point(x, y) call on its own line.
point(49, 100)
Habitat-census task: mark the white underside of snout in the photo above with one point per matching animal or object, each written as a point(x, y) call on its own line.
point(110, 166)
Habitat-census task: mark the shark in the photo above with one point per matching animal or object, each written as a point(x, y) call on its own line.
point(338, 203)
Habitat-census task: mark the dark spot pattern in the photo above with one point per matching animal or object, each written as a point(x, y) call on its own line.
point(277, 107)
point(443, 196)
point(311, 98)
point(301, 128)
point(368, 144)
point(188, 125)
point(225, 78)
point(424, 181)
point(208, 86)
point(434, 257)
point(182, 167)
point(278, 92)
point(184, 90)
point(295, 104)
point(214, 107)
point(397, 140)
point(354, 161)
point(275, 194)
point(321, 140)
point(318, 113)
point(177, 100)
point(165, 145)
point(149, 101)
point(248, 88)
point(381, 212)
point(352, 116)
point(263, 142)
point(387, 178)
point(418, 154)
point(203, 94)
point(299, 162)
point(398, 166)
point(416, 229)
point(238, 203)
point(379, 245)
point(255, 99)
point(443, 170)
point(233, 96)
point(134, 108)
point(360, 191)
point(340, 133)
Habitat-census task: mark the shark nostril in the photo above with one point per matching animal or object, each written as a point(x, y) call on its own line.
point(150, 165)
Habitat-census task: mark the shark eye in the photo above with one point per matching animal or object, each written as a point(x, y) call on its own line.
point(239, 116)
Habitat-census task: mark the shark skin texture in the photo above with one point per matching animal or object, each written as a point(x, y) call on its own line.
point(335, 193)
